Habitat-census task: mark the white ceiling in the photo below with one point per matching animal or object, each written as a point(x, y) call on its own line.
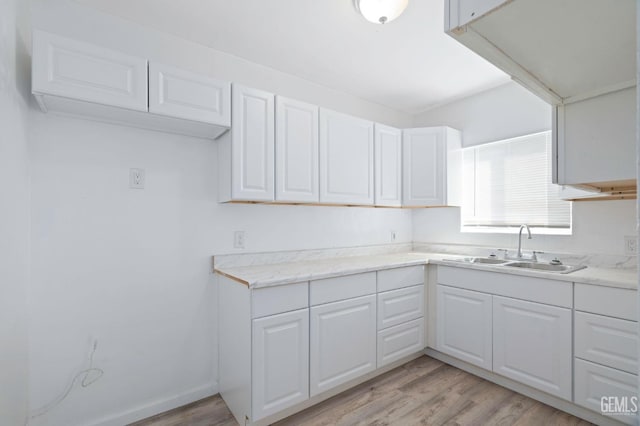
point(409, 64)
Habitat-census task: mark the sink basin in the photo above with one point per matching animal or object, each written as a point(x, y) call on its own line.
point(488, 260)
point(563, 269)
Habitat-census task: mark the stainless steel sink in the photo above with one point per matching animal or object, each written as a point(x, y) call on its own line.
point(488, 260)
point(562, 269)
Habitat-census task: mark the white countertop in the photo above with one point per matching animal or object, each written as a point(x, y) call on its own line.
point(259, 276)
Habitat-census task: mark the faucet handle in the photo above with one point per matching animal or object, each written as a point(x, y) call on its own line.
point(504, 252)
point(535, 254)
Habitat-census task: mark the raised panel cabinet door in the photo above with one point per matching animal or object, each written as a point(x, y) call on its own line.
point(83, 71)
point(400, 341)
point(252, 144)
point(423, 168)
point(280, 362)
point(594, 381)
point(532, 344)
point(388, 157)
point(463, 325)
point(296, 151)
point(343, 342)
point(183, 94)
point(346, 159)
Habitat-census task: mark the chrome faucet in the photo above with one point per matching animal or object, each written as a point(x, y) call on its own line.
point(519, 255)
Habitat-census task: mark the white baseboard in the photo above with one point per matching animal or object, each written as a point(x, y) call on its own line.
point(157, 407)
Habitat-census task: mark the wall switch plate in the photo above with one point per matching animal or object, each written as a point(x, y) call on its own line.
point(394, 236)
point(630, 245)
point(136, 178)
point(238, 239)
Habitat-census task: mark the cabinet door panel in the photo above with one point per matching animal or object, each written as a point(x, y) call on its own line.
point(464, 325)
point(595, 381)
point(388, 146)
point(78, 70)
point(346, 159)
point(398, 306)
point(280, 362)
point(178, 93)
point(423, 153)
point(343, 342)
point(252, 146)
point(402, 340)
point(609, 341)
point(532, 344)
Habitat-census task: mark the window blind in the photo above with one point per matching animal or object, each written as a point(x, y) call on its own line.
point(508, 183)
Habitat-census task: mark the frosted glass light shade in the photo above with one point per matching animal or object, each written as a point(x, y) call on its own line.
point(381, 11)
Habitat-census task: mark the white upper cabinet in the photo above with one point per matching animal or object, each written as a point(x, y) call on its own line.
point(346, 159)
point(430, 172)
point(246, 159)
point(78, 70)
point(81, 79)
point(596, 141)
point(178, 93)
point(388, 171)
point(296, 151)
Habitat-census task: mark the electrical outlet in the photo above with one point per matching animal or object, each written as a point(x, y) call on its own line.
point(238, 239)
point(630, 245)
point(136, 178)
point(394, 236)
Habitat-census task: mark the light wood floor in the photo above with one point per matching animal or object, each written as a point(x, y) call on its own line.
point(422, 392)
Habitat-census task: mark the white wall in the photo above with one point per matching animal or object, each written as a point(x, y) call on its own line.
point(501, 113)
point(130, 268)
point(14, 213)
point(504, 112)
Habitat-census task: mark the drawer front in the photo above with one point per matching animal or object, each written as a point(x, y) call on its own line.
point(402, 340)
point(593, 382)
point(178, 93)
point(341, 288)
point(541, 290)
point(609, 341)
point(392, 279)
point(78, 70)
point(613, 302)
point(278, 299)
point(398, 306)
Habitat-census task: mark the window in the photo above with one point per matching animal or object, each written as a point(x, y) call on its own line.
point(508, 183)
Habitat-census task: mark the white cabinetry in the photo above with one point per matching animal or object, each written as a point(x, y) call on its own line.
point(343, 342)
point(296, 151)
point(464, 325)
point(595, 140)
point(346, 159)
point(174, 92)
point(246, 159)
point(388, 171)
point(430, 163)
point(532, 344)
point(81, 79)
point(280, 362)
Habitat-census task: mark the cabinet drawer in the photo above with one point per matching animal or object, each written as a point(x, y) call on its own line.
point(178, 93)
point(278, 299)
point(78, 70)
point(392, 279)
point(398, 306)
point(613, 302)
point(593, 381)
point(402, 340)
point(609, 341)
point(341, 288)
point(541, 290)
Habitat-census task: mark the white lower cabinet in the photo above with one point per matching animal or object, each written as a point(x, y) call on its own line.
point(532, 344)
point(593, 382)
point(464, 325)
point(343, 342)
point(399, 341)
point(280, 362)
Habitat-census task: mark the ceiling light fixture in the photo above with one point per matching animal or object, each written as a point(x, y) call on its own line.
point(380, 11)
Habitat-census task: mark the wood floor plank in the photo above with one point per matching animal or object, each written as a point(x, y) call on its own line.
point(422, 392)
